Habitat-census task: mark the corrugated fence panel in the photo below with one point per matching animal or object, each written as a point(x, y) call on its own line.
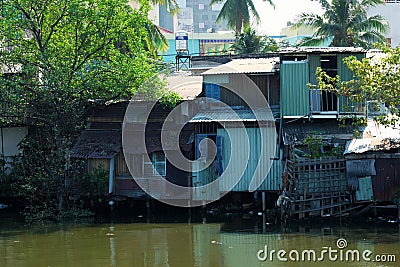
point(255, 168)
point(295, 93)
point(364, 191)
point(274, 179)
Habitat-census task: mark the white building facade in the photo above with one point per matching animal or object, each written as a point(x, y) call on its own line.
point(391, 11)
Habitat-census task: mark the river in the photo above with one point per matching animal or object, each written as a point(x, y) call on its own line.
point(237, 242)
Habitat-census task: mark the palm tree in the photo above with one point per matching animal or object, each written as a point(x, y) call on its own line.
point(172, 5)
point(237, 12)
point(248, 42)
point(344, 23)
point(155, 41)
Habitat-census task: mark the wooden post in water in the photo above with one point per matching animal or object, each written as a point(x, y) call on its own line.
point(264, 204)
point(189, 212)
point(204, 212)
point(148, 208)
point(398, 209)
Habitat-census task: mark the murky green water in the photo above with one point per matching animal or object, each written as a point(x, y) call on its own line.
point(185, 245)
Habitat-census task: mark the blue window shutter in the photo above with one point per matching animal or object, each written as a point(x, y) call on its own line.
point(213, 91)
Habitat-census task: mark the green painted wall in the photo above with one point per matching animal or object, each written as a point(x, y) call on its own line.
point(235, 139)
point(295, 96)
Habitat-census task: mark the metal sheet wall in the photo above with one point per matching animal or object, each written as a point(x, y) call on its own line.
point(364, 191)
point(255, 168)
point(387, 180)
point(315, 95)
point(295, 93)
point(315, 62)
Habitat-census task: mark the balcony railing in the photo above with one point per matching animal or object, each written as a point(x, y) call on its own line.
point(328, 103)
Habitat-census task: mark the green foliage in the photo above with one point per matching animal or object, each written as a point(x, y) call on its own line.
point(376, 80)
point(155, 41)
point(63, 54)
point(7, 187)
point(237, 13)
point(170, 100)
point(249, 42)
point(344, 23)
point(397, 197)
point(317, 148)
point(171, 5)
point(95, 183)
point(314, 145)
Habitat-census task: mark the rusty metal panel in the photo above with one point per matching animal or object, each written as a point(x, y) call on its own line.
point(360, 168)
point(386, 182)
point(244, 65)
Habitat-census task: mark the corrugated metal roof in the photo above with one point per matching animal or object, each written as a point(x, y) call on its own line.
point(359, 146)
point(97, 144)
point(308, 49)
point(228, 115)
point(245, 65)
point(375, 137)
point(188, 87)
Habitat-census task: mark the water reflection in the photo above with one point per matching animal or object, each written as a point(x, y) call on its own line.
point(174, 245)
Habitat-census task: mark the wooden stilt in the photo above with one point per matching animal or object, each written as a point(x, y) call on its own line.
point(264, 204)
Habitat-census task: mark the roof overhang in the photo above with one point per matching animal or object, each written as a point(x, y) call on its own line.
point(230, 115)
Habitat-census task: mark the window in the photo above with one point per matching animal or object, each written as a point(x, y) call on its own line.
point(210, 150)
point(201, 6)
point(324, 101)
point(201, 25)
point(329, 99)
point(159, 163)
point(157, 166)
point(213, 91)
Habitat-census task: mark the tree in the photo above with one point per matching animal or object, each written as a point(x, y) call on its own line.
point(249, 42)
point(171, 5)
point(156, 41)
point(237, 13)
point(344, 23)
point(376, 80)
point(63, 55)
